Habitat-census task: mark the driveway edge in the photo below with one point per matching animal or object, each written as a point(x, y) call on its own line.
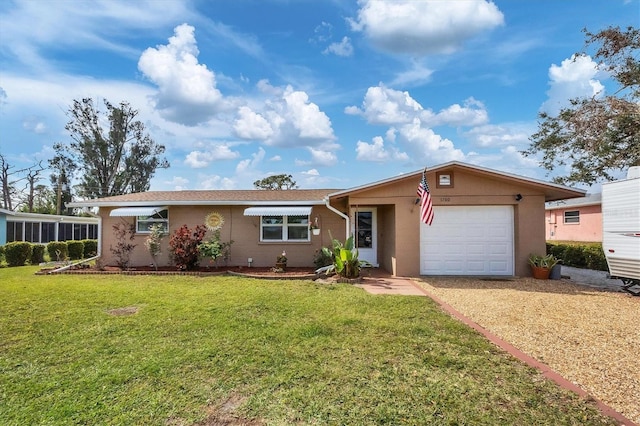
point(527, 359)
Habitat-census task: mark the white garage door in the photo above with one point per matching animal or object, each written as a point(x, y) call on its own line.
point(468, 240)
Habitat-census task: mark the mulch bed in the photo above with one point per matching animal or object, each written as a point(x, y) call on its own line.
point(253, 272)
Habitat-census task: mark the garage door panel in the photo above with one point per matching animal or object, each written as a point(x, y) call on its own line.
point(468, 240)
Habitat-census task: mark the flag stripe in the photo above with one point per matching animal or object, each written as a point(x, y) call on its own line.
point(426, 205)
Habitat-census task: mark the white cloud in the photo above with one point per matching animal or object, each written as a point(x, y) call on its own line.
point(575, 77)
point(319, 157)
point(178, 183)
point(377, 152)
point(287, 119)
point(218, 152)
point(508, 159)
point(187, 90)
point(382, 105)
point(215, 182)
point(500, 135)
point(251, 125)
point(311, 172)
point(424, 27)
point(322, 33)
point(343, 48)
point(472, 113)
point(249, 165)
point(425, 146)
point(418, 74)
point(34, 124)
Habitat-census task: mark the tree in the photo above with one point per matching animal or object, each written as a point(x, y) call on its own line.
point(63, 168)
point(33, 176)
point(121, 160)
point(276, 182)
point(597, 136)
point(12, 197)
point(44, 200)
point(8, 186)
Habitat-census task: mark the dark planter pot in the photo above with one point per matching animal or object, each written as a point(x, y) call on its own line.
point(556, 272)
point(281, 265)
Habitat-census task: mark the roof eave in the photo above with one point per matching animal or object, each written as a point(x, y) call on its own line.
point(97, 203)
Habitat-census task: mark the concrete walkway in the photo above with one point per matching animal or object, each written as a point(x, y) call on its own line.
point(376, 281)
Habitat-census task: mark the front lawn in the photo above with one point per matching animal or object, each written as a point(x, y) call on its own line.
point(181, 350)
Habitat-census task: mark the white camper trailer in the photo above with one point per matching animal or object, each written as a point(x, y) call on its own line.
point(621, 229)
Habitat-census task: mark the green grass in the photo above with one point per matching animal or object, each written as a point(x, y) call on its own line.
point(291, 352)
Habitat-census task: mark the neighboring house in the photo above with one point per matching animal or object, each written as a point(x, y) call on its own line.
point(486, 222)
point(43, 228)
point(578, 219)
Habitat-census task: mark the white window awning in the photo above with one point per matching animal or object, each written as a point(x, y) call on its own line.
point(278, 211)
point(137, 211)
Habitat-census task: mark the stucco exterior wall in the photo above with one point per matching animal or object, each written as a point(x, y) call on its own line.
point(468, 189)
point(589, 229)
point(243, 230)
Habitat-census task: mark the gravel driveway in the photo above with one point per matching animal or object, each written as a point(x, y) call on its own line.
point(590, 335)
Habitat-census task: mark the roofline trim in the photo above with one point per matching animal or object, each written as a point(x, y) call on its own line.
point(97, 203)
point(463, 166)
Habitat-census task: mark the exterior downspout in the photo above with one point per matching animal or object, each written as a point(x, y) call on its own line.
point(339, 213)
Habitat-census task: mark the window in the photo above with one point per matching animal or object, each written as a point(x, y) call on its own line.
point(48, 232)
point(32, 232)
point(284, 228)
point(144, 222)
point(93, 232)
point(65, 231)
point(572, 216)
point(15, 231)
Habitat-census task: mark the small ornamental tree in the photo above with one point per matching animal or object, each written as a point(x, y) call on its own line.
point(153, 242)
point(183, 245)
point(124, 233)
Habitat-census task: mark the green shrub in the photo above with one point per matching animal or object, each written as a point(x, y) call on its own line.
point(90, 248)
point(595, 258)
point(17, 253)
point(37, 254)
point(75, 249)
point(589, 256)
point(57, 251)
point(322, 258)
point(1, 253)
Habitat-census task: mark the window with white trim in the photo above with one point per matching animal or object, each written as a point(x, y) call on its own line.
point(284, 228)
point(572, 216)
point(143, 223)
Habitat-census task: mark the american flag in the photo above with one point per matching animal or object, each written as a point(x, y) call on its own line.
point(426, 207)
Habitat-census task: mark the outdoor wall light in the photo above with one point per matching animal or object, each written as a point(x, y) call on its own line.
point(518, 197)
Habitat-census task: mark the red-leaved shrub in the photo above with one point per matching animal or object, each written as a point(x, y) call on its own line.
point(183, 245)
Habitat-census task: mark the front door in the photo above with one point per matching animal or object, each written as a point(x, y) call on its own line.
point(365, 232)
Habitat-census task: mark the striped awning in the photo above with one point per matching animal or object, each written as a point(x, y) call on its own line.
point(278, 211)
point(137, 211)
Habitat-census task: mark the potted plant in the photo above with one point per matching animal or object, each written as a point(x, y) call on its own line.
point(281, 262)
point(541, 265)
point(314, 227)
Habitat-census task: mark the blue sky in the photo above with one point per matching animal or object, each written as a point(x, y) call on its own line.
point(335, 93)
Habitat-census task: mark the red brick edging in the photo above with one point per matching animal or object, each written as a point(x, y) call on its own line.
point(529, 360)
